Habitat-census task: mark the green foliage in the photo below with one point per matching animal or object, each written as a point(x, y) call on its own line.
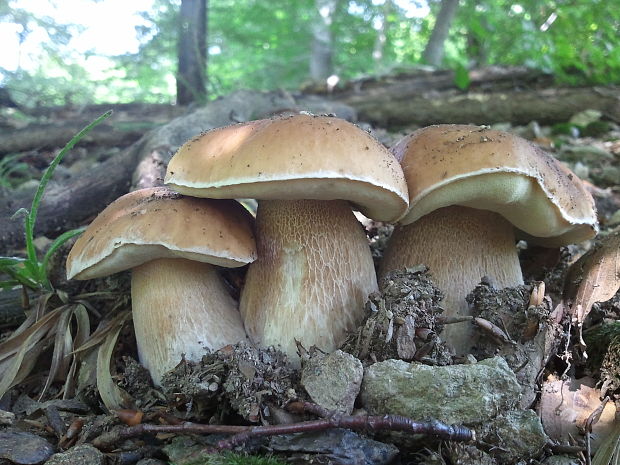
point(30, 271)
point(461, 77)
point(267, 45)
point(576, 41)
point(10, 168)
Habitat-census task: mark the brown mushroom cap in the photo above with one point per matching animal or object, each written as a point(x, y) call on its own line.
point(292, 158)
point(477, 167)
point(157, 223)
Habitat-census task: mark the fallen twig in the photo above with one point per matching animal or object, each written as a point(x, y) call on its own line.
point(330, 419)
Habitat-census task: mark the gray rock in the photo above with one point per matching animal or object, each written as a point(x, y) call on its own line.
point(562, 460)
point(333, 381)
point(84, 454)
point(24, 448)
point(336, 446)
point(453, 394)
point(151, 461)
point(518, 434)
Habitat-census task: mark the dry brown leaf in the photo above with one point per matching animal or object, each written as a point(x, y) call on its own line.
point(25, 346)
point(63, 345)
point(595, 277)
point(609, 451)
point(112, 396)
point(101, 333)
point(565, 406)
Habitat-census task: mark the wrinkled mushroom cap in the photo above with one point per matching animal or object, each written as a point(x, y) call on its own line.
point(157, 223)
point(477, 167)
point(292, 158)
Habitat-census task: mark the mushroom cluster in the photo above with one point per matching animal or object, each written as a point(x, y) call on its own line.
point(314, 270)
point(461, 194)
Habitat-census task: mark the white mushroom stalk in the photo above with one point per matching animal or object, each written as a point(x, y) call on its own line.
point(180, 309)
point(313, 255)
point(471, 189)
point(180, 305)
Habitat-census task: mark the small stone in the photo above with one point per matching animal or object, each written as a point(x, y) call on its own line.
point(84, 454)
point(6, 418)
point(520, 434)
point(337, 447)
point(151, 461)
point(333, 381)
point(24, 448)
point(454, 394)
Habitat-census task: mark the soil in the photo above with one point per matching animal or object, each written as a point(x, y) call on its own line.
point(401, 321)
point(240, 378)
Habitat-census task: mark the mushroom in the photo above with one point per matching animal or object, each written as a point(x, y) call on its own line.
point(314, 269)
point(180, 304)
point(470, 187)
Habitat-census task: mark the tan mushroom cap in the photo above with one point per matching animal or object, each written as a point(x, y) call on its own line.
point(157, 223)
point(292, 158)
point(477, 167)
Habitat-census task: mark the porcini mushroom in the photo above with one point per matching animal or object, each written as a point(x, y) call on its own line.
point(470, 189)
point(170, 242)
point(314, 269)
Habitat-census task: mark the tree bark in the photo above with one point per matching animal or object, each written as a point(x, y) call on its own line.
point(321, 66)
point(49, 136)
point(192, 52)
point(378, 48)
point(433, 53)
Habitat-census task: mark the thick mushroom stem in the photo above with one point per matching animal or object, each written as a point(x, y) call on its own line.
point(313, 274)
point(460, 245)
point(180, 308)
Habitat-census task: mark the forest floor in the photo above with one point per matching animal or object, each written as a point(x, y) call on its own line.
point(57, 410)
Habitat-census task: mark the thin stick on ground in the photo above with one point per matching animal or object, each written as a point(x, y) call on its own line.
point(241, 434)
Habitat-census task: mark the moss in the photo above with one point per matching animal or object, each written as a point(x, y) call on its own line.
point(232, 458)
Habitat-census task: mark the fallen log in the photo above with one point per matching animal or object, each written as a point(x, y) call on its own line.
point(393, 106)
point(517, 95)
point(54, 135)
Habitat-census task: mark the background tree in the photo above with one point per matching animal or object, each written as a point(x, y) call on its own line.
point(433, 53)
point(192, 52)
point(321, 65)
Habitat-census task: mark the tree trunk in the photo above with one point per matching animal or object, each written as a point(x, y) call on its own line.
point(321, 66)
point(192, 52)
point(378, 49)
point(433, 53)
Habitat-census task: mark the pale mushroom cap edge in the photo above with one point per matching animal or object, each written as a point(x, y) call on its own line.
point(292, 158)
point(157, 223)
point(477, 167)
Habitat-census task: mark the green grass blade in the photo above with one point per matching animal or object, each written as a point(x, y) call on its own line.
point(8, 284)
point(46, 178)
point(21, 211)
point(9, 261)
point(58, 242)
